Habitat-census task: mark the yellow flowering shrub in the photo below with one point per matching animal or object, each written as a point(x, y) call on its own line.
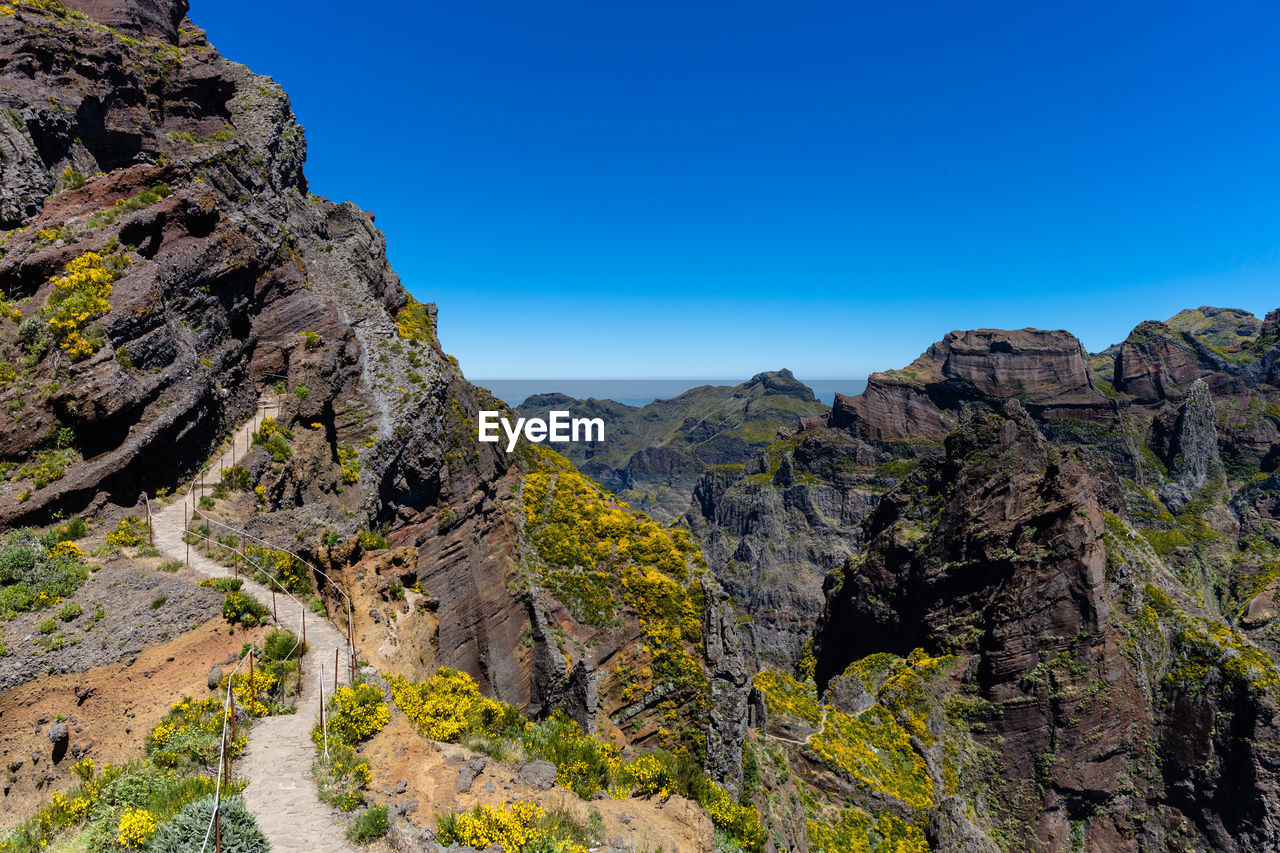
point(349, 459)
point(584, 763)
point(65, 810)
point(66, 549)
point(287, 570)
point(601, 558)
point(269, 429)
point(742, 822)
point(784, 696)
point(510, 826)
point(129, 531)
point(448, 705)
point(254, 696)
point(514, 826)
point(80, 296)
point(343, 776)
point(413, 323)
point(357, 713)
point(874, 749)
point(191, 734)
point(852, 830)
point(136, 828)
point(648, 775)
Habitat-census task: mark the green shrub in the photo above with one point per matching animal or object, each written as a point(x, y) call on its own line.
point(33, 576)
point(207, 502)
point(170, 566)
point(279, 448)
point(372, 540)
point(223, 584)
point(138, 201)
point(185, 833)
point(70, 611)
point(69, 531)
point(368, 826)
point(129, 531)
point(48, 626)
point(159, 601)
point(302, 391)
point(70, 179)
point(277, 568)
point(281, 644)
point(236, 478)
point(190, 735)
point(140, 786)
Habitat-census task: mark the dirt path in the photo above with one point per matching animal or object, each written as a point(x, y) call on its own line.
point(282, 792)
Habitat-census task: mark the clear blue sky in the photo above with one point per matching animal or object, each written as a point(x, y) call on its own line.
point(713, 189)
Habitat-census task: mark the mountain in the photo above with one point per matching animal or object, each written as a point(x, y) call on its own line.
point(652, 455)
point(1051, 622)
point(166, 272)
point(1014, 596)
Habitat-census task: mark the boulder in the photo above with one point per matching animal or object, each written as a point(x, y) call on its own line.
point(538, 774)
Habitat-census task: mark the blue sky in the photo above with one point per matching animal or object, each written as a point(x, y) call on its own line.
point(713, 189)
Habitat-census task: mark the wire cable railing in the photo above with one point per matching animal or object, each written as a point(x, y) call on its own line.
point(228, 715)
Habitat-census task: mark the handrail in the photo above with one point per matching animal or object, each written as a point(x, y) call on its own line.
point(227, 703)
point(246, 535)
point(351, 656)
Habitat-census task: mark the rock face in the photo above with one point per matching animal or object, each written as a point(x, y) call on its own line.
point(1000, 553)
point(653, 455)
point(1196, 457)
point(773, 528)
point(157, 18)
point(164, 185)
point(1078, 542)
point(1046, 370)
point(889, 601)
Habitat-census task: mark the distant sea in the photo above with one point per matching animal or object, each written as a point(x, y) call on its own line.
point(638, 392)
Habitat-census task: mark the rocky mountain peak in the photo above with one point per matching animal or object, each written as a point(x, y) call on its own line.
point(1046, 369)
point(776, 382)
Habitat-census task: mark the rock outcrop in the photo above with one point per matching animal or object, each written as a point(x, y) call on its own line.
point(1047, 371)
point(1001, 554)
point(1196, 459)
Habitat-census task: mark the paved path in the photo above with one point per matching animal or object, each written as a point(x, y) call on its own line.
point(282, 792)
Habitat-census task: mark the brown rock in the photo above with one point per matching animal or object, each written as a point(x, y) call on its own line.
point(1046, 370)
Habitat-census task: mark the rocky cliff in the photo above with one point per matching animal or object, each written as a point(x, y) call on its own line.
point(1054, 630)
point(165, 269)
